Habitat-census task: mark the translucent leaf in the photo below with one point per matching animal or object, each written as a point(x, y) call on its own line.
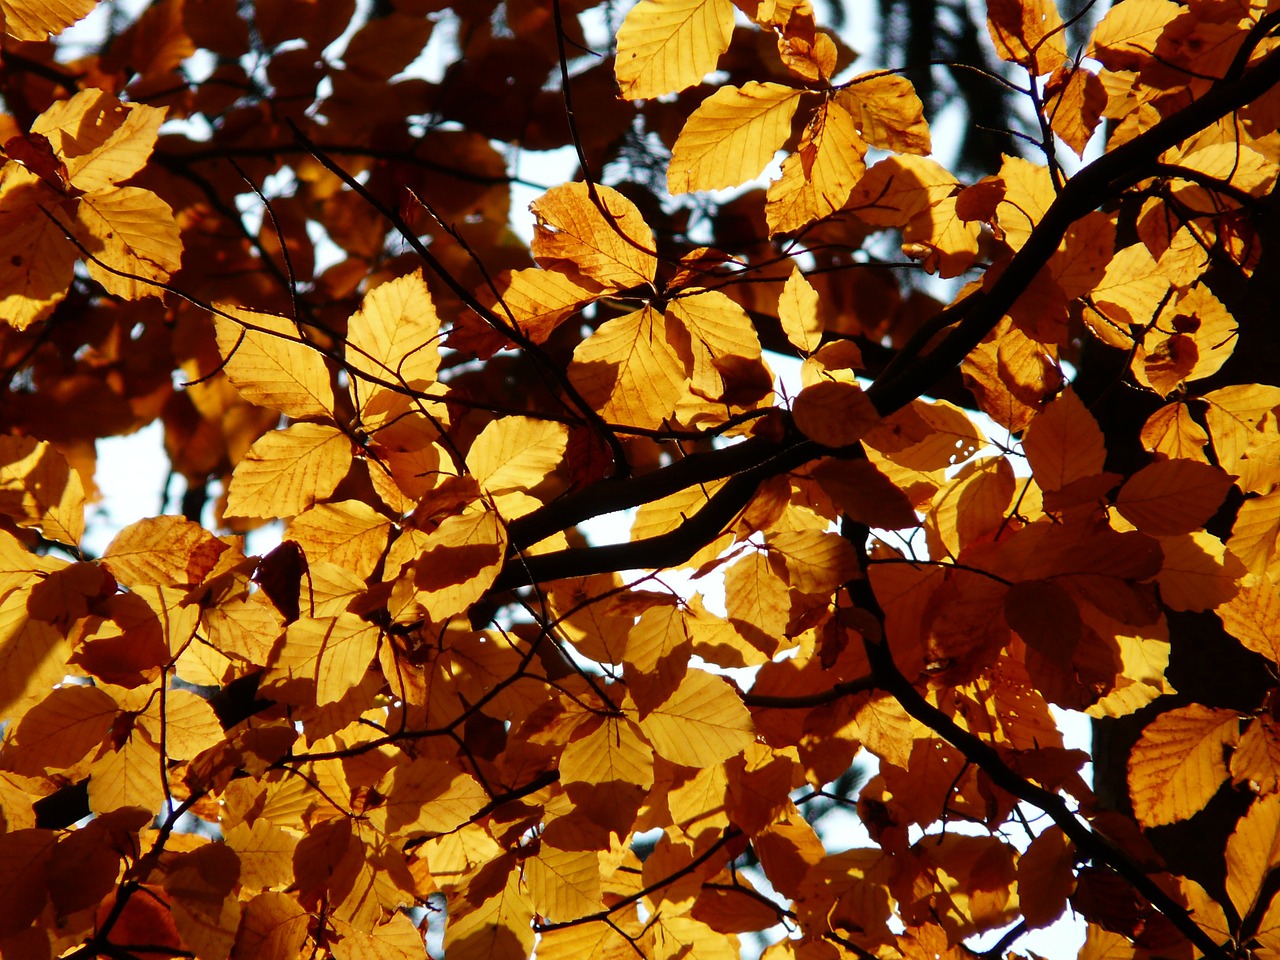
point(37, 262)
point(732, 136)
point(270, 364)
point(667, 45)
point(36, 19)
point(1028, 32)
point(101, 140)
point(133, 238)
point(332, 651)
point(286, 471)
point(39, 489)
point(1064, 443)
point(1172, 496)
point(60, 730)
point(817, 179)
point(630, 370)
point(163, 551)
point(615, 249)
point(392, 337)
point(798, 313)
point(564, 884)
point(704, 722)
point(513, 455)
point(459, 563)
point(1177, 765)
point(1253, 850)
point(349, 533)
point(427, 796)
point(833, 413)
point(887, 113)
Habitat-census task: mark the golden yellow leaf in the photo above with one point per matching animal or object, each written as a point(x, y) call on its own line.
point(286, 471)
point(425, 796)
point(615, 250)
point(271, 365)
point(36, 19)
point(630, 370)
point(539, 300)
point(131, 231)
point(272, 927)
point(513, 455)
point(334, 651)
point(897, 188)
point(833, 413)
point(1172, 496)
point(887, 113)
point(500, 928)
point(607, 772)
point(1172, 433)
point(163, 551)
point(397, 939)
point(1253, 850)
point(38, 489)
point(718, 328)
point(667, 45)
point(564, 884)
point(265, 852)
point(393, 338)
point(1028, 32)
point(33, 656)
point(101, 140)
point(817, 561)
point(1197, 573)
point(1131, 288)
point(732, 136)
point(1129, 32)
point(37, 263)
point(818, 178)
point(1064, 443)
point(1028, 193)
point(657, 655)
point(1255, 536)
point(703, 722)
point(757, 601)
point(349, 533)
point(189, 727)
point(460, 562)
point(798, 313)
point(1256, 761)
point(1074, 101)
point(1245, 427)
point(945, 243)
point(1177, 765)
point(60, 730)
point(128, 777)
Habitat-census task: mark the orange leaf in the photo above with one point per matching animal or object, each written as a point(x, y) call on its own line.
point(1177, 765)
point(667, 46)
point(615, 250)
point(833, 413)
point(1172, 496)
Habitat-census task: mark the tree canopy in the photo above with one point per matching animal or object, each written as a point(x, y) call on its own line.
point(1031, 458)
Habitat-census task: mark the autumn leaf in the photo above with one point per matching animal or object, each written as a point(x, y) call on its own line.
point(667, 45)
point(1177, 765)
point(288, 470)
point(270, 363)
point(731, 137)
point(603, 237)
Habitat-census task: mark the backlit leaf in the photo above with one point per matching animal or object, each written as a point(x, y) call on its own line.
point(610, 244)
point(1172, 496)
point(271, 364)
point(667, 45)
point(703, 722)
point(101, 140)
point(133, 238)
point(36, 19)
point(286, 471)
point(732, 136)
point(1177, 764)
